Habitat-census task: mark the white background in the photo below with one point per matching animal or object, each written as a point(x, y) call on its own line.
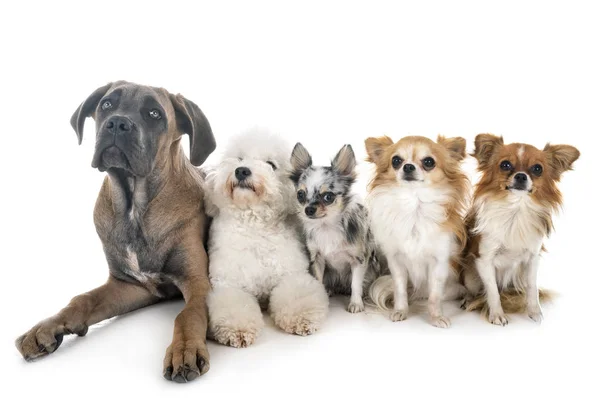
point(324, 74)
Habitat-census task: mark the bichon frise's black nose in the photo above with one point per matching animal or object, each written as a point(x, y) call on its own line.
point(241, 173)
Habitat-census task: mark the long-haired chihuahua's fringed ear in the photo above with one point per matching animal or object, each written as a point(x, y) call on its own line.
point(561, 157)
point(485, 146)
point(300, 161)
point(376, 147)
point(456, 146)
point(344, 162)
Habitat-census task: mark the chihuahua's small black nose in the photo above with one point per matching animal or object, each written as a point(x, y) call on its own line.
point(241, 173)
point(119, 124)
point(310, 211)
point(409, 168)
point(521, 178)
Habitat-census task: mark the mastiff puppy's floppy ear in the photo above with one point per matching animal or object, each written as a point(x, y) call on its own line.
point(191, 121)
point(86, 109)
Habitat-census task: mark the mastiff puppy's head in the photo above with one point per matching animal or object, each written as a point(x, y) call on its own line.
point(137, 126)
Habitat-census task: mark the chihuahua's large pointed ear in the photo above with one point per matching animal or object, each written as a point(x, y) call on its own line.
point(376, 147)
point(456, 146)
point(345, 161)
point(300, 159)
point(561, 157)
point(87, 109)
point(191, 121)
point(485, 146)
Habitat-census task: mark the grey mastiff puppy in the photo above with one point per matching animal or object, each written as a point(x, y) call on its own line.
point(150, 217)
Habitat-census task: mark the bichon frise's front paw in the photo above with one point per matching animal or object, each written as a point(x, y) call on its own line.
point(299, 304)
point(235, 318)
point(235, 338)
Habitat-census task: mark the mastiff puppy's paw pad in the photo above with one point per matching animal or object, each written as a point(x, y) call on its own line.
point(183, 365)
point(41, 340)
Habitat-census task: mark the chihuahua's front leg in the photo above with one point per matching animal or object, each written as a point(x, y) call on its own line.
point(317, 263)
point(359, 269)
point(400, 277)
point(487, 273)
point(438, 275)
point(534, 311)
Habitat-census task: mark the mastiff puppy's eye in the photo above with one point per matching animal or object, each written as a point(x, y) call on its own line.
point(106, 105)
point(154, 114)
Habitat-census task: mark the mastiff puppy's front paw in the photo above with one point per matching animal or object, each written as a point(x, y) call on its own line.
point(45, 338)
point(185, 361)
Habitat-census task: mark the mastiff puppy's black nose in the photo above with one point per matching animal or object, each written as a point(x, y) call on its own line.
point(119, 125)
point(241, 173)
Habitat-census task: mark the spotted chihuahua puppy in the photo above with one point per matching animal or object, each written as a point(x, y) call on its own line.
point(336, 225)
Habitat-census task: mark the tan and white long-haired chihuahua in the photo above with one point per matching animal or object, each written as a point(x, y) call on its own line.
point(511, 215)
point(417, 201)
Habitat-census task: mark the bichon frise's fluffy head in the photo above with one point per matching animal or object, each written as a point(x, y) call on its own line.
point(252, 175)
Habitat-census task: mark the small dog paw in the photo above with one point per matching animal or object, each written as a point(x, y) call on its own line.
point(185, 361)
point(302, 327)
point(536, 315)
point(398, 315)
point(440, 322)
point(235, 338)
point(465, 302)
point(355, 307)
point(498, 319)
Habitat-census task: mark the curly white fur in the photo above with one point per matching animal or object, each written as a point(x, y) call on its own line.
point(256, 256)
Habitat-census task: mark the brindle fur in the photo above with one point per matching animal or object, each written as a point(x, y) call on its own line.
point(152, 226)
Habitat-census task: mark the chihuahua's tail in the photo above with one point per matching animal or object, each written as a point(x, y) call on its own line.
point(513, 301)
point(381, 292)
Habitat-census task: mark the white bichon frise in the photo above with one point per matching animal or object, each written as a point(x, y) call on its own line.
point(256, 256)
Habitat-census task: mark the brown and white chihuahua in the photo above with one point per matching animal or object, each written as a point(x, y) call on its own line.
point(511, 215)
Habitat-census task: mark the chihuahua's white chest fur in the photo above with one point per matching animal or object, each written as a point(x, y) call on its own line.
point(329, 240)
point(407, 223)
point(511, 235)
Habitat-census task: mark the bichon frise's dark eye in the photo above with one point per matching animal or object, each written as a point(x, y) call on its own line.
point(272, 164)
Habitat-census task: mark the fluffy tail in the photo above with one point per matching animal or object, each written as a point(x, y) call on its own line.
point(381, 292)
point(513, 301)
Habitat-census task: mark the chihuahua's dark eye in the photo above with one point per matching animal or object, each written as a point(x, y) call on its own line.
point(328, 197)
point(106, 105)
point(536, 170)
point(396, 161)
point(428, 163)
point(506, 165)
point(154, 114)
point(301, 195)
point(272, 164)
